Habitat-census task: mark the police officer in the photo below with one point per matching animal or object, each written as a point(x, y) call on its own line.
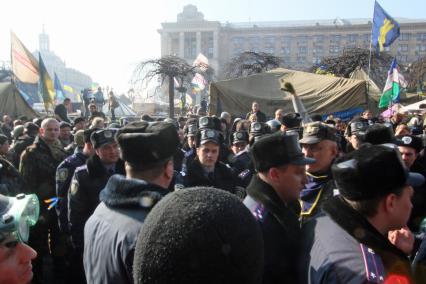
point(280, 166)
point(241, 159)
point(319, 141)
point(354, 133)
point(206, 169)
point(64, 174)
point(111, 232)
point(348, 243)
point(410, 147)
point(90, 179)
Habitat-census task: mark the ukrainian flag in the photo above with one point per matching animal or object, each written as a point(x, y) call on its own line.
point(46, 88)
point(385, 28)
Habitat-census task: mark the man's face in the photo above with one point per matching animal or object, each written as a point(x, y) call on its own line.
point(181, 135)
point(51, 132)
point(4, 148)
point(408, 154)
point(291, 181)
point(403, 207)
point(79, 126)
point(6, 119)
point(108, 153)
point(238, 147)
point(65, 133)
point(367, 115)
point(355, 142)
point(323, 152)
point(15, 263)
point(208, 154)
point(255, 107)
point(278, 115)
point(191, 141)
point(67, 103)
point(92, 108)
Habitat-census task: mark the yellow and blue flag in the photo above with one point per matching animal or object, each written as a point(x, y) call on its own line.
point(385, 28)
point(46, 89)
point(60, 93)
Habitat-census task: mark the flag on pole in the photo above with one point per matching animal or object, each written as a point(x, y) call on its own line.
point(385, 28)
point(24, 65)
point(393, 85)
point(59, 91)
point(46, 89)
point(198, 83)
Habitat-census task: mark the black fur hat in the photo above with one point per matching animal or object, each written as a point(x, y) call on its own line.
point(199, 235)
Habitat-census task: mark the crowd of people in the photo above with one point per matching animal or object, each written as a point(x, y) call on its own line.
point(263, 198)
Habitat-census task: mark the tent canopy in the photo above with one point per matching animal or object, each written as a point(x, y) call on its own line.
point(319, 93)
point(12, 103)
point(121, 111)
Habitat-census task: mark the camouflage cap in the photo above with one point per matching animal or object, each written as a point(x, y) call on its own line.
point(316, 132)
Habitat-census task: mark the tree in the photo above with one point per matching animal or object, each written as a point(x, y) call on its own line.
point(351, 58)
point(250, 62)
point(417, 74)
point(169, 67)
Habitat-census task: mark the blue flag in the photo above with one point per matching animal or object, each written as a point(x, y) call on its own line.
point(60, 94)
point(385, 28)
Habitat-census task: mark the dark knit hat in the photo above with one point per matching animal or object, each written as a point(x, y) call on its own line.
point(187, 238)
point(145, 144)
point(316, 132)
point(379, 134)
point(291, 120)
point(3, 138)
point(79, 119)
point(274, 150)
point(372, 171)
point(31, 127)
point(88, 133)
point(64, 124)
point(102, 137)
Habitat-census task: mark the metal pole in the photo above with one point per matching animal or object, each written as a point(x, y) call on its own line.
point(369, 63)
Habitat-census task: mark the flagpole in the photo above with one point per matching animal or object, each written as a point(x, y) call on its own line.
point(369, 60)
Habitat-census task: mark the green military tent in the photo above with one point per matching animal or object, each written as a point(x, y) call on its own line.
point(319, 93)
point(12, 103)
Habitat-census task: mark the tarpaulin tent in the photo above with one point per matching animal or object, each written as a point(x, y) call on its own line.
point(12, 103)
point(319, 93)
point(120, 111)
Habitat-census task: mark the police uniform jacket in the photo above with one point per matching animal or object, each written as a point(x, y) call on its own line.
point(222, 177)
point(111, 233)
point(64, 174)
point(341, 246)
point(318, 189)
point(83, 196)
point(281, 232)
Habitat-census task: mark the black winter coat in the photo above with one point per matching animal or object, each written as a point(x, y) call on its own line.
point(281, 232)
point(223, 177)
point(83, 196)
point(111, 233)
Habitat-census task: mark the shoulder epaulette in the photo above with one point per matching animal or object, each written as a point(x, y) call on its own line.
point(374, 269)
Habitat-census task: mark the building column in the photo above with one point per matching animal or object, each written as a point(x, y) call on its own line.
point(182, 44)
point(215, 44)
point(165, 47)
point(198, 49)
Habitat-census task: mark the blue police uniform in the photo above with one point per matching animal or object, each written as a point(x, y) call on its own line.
point(64, 174)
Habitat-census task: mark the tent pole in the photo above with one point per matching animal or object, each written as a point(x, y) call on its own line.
point(369, 65)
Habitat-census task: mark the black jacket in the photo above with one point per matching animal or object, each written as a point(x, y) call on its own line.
point(261, 117)
point(111, 233)
point(83, 196)
point(281, 232)
point(341, 246)
point(223, 177)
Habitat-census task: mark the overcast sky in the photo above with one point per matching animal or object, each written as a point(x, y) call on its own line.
point(105, 39)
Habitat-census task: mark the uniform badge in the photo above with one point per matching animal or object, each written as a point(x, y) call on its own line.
point(62, 174)
point(407, 140)
point(74, 188)
point(374, 269)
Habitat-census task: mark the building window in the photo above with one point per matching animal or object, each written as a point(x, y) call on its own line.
point(302, 39)
point(421, 48)
point(402, 58)
point(174, 49)
point(316, 60)
point(237, 41)
point(405, 37)
point(286, 40)
point(190, 45)
point(319, 38)
point(301, 60)
point(421, 36)
point(285, 50)
point(207, 44)
point(334, 49)
point(403, 47)
point(269, 41)
point(366, 38)
point(335, 38)
point(352, 37)
point(318, 49)
point(302, 49)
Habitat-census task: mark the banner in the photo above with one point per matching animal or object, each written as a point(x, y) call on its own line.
point(24, 65)
point(46, 89)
